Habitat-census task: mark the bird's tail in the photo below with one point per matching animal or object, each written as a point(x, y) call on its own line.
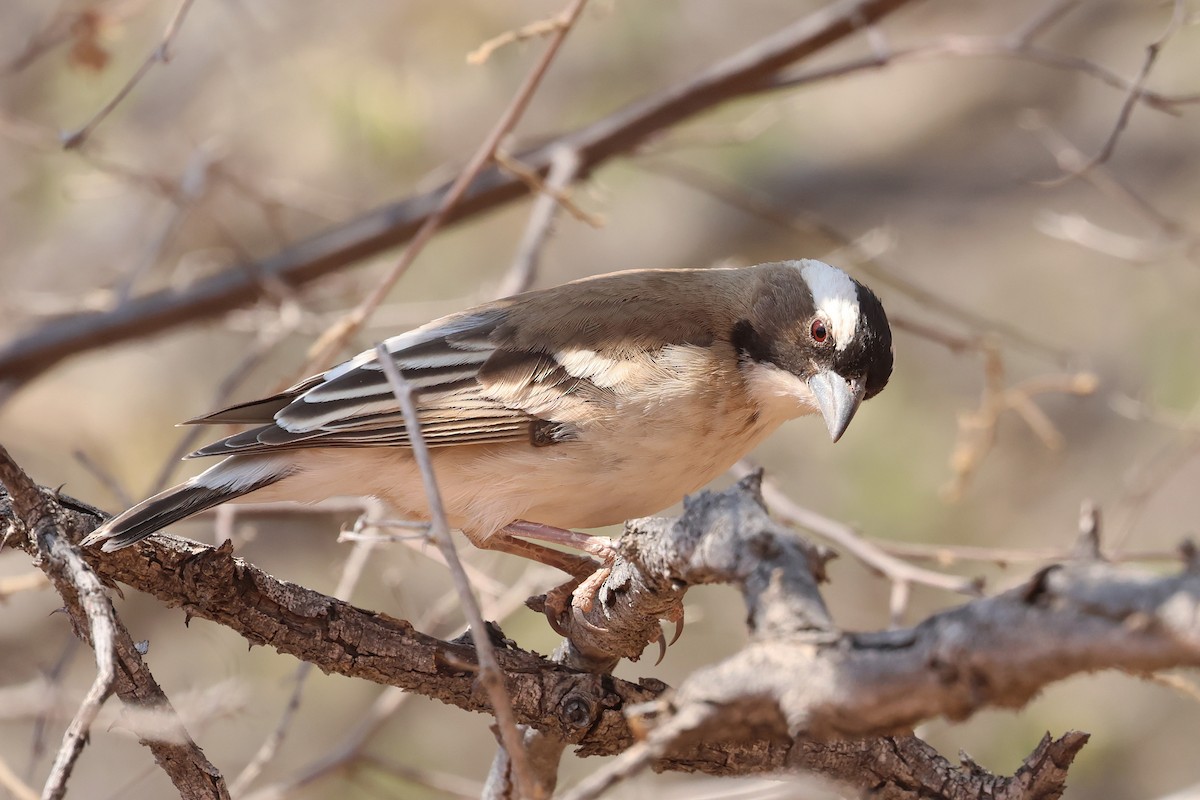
point(228, 480)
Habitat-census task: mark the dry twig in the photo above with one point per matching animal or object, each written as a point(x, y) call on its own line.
point(490, 676)
point(551, 197)
point(45, 526)
point(1085, 615)
point(977, 430)
point(1136, 89)
point(160, 55)
point(335, 338)
point(845, 537)
point(743, 73)
point(541, 27)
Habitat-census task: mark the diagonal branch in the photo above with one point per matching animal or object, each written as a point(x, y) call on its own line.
point(334, 339)
point(747, 72)
point(490, 676)
point(803, 695)
point(52, 532)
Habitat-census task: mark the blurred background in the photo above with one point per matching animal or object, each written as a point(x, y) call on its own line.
point(939, 178)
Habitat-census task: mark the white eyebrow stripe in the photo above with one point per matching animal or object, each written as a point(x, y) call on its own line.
point(835, 297)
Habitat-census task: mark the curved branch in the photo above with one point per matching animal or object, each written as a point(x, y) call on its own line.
point(793, 699)
point(749, 71)
point(49, 531)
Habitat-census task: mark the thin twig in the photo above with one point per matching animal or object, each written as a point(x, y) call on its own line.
point(743, 73)
point(851, 541)
point(569, 159)
point(564, 166)
point(327, 347)
point(27, 582)
point(762, 207)
point(160, 54)
point(978, 429)
point(1071, 160)
point(1178, 15)
point(541, 27)
point(1017, 45)
point(490, 675)
point(101, 634)
point(352, 572)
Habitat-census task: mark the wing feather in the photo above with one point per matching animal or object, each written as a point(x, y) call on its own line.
point(468, 391)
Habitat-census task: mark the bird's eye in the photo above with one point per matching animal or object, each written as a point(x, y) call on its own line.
point(819, 332)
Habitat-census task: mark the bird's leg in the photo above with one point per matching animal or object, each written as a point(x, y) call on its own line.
point(600, 546)
point(503, 541)
point(582, 569)
point(584, 590)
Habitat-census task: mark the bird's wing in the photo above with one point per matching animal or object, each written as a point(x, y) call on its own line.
point(470, 389)
point(527, 368)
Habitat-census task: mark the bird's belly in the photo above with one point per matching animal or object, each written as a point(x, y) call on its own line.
point(617, 468)
point(628, 485)
point(600, 480)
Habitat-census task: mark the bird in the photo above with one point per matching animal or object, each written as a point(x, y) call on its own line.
point(571, 407)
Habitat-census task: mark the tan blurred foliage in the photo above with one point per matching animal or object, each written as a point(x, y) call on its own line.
point(942, 175)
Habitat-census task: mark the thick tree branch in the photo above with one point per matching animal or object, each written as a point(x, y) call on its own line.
point(788, 701)
point(35, 521)
point(749, 71)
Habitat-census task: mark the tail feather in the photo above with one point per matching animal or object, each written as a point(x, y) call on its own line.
point(226, 481)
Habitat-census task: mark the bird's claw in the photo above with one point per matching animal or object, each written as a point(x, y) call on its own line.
point(662, 647)
point(580, 619)
point(554, 607)
point(678, 629)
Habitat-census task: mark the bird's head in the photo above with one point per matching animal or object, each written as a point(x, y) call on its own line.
point(816, 339)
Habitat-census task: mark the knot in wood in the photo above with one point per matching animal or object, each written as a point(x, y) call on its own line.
point(577, 711)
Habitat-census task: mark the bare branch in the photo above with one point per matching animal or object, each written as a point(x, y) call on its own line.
point(160, 54)
point(823, 684)
point(490, 675)
point(51, 534)
point(332, 341)
point(1178, 15)
point(563, 168)
point(743, 73)
point(845, 537)
point(73, 576)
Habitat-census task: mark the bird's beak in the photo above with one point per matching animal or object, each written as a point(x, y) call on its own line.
point(837, 398)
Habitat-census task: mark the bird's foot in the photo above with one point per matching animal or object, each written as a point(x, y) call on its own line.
point(586, 594)
point(599, 546)
point(574, 600)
